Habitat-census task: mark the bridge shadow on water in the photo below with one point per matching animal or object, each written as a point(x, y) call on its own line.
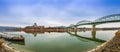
point(86, 39)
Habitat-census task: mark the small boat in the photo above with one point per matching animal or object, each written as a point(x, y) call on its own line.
point(11, 37)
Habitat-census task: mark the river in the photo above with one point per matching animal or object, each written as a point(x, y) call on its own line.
point(61, 41)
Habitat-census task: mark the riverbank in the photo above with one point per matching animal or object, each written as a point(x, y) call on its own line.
point(112, 45)
point(5, 48)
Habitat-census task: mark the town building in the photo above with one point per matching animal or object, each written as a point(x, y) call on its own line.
point(34, 28)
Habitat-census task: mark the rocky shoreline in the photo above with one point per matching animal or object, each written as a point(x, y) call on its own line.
point(112, 45)
point(5, 48)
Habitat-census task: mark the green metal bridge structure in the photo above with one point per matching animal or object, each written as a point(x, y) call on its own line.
point(106, 19)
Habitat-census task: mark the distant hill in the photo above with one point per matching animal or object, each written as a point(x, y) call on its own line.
point(3, 28)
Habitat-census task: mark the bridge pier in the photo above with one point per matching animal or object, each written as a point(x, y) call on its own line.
point(75, 29)
point(68, 29)
point(93, 30)
point(93, 34)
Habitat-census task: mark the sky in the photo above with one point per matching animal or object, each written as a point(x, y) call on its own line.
point(20, 13)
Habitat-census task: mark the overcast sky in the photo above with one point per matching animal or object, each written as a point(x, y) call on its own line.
point(21, 13)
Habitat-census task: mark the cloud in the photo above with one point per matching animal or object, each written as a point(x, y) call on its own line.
point(52, 13)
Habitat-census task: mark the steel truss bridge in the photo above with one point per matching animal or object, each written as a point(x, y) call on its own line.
point(102, 20)
point(106, 19)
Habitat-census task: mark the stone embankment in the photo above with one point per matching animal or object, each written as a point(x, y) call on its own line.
point(112, 45)
point(5, 48)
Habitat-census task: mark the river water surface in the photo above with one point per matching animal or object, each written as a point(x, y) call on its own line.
point(61, 41)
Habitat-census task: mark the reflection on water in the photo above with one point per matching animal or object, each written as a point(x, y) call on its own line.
point(90, 39)
point(35, 33)
point(93, 34)
point(61, 41)
point(17, 42)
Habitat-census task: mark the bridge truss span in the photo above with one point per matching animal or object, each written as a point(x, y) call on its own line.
point(83, 22)
point(105, 19)
point(109, 18)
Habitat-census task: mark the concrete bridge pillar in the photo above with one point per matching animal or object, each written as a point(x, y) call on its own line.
point(93, 31)
point(68, 29)
point(93, 28)
point(93, 34)
point(75, 30)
